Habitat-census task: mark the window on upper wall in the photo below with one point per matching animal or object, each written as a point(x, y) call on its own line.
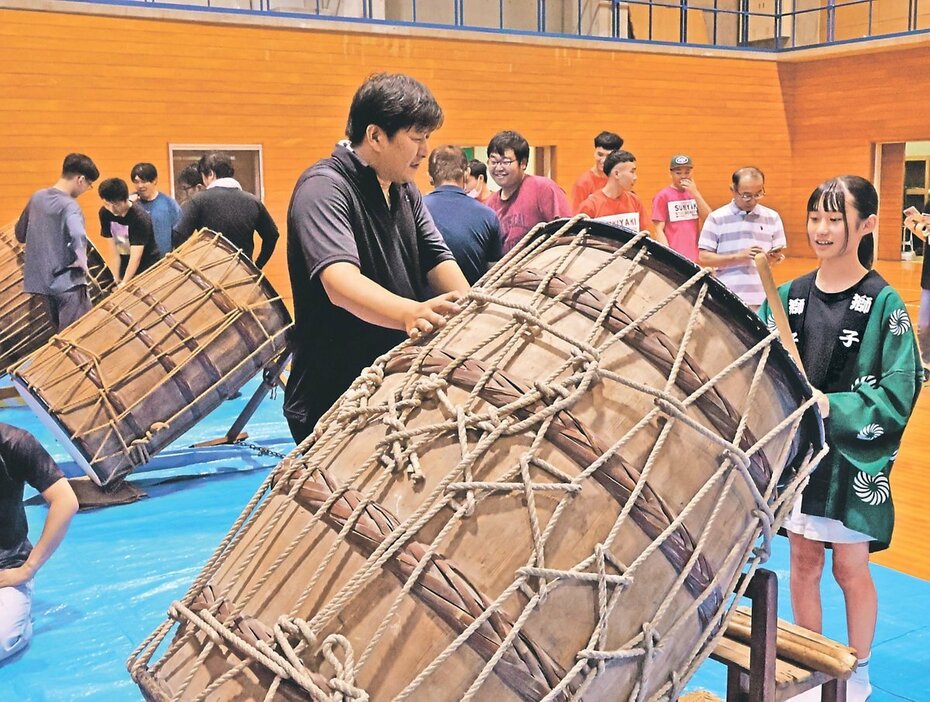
point(246, 158)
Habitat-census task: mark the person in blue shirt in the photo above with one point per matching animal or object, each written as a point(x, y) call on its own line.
point(470, 229)
point(163, 209)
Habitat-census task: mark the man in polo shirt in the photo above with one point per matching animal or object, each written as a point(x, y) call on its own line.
point(366, 262)
point(736, 232)
point(470, 229)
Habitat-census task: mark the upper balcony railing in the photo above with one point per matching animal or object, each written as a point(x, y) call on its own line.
point(762, 25)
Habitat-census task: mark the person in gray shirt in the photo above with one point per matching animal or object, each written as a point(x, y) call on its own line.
point(52, 229)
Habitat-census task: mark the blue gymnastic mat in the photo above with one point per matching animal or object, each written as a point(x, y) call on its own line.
point(112, 580)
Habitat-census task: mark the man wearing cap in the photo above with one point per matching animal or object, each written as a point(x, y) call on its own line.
point(678, 208)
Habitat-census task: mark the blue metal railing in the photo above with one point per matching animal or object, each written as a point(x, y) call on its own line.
point(687, 22)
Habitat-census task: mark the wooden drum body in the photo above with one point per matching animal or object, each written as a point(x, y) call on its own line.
point(552, 498)
point(143, 366)
point(24, 322)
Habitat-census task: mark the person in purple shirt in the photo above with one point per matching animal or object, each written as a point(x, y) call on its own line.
point(53, 231)
point(470, 229)
point(523, 200)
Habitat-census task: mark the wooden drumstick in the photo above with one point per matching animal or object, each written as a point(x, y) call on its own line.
point(778, 312)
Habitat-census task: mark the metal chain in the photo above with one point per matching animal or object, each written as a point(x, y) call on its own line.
point(260, 450)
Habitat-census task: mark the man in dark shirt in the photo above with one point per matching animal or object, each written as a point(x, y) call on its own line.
point(470, 229)
point(129, 228)
point(23, 460)
point(52, 228)
point(226, 208)
point(363, 255)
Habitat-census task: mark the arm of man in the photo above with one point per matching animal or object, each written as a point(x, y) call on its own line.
point(77, 233)
point(113, 257)
point(21, 225)
point(716, 260)
point(644, 221)
point(347, 288)
point(779, 241)
point(268, 231)
point(447, 277)
point(135, 258)
point(190, 216)
point(703, 208)
point(707, 249)
point(62, 505)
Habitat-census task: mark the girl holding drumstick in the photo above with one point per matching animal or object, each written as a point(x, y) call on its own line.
point(859, 352)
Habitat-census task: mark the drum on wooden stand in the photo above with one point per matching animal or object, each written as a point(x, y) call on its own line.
point(144, 365)
point(24, 322)
point(551, 498)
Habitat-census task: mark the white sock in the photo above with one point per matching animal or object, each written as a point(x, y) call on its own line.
point(861, 673)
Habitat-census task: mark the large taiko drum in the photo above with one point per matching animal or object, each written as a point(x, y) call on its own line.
point(147, 363)
point(552, 498)
point(24, 322)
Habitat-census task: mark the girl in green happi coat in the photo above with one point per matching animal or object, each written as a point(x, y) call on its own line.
point(859, 352)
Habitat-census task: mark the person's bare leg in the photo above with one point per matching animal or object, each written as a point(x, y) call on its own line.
point(851, 570)
point(807, 559)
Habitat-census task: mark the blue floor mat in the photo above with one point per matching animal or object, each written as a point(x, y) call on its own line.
point(111, 581)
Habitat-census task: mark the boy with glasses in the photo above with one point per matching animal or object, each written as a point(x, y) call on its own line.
point(736, 232)
point(52, 228)
point(523, 201)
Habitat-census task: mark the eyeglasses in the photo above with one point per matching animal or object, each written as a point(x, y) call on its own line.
point(748, 197)
point(505, 162)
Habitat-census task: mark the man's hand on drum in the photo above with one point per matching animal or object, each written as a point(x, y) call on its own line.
point(426, 317)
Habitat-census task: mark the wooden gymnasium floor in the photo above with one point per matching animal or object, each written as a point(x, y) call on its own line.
point(908, 553)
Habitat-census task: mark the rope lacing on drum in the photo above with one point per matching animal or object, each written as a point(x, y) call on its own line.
point(475, 424)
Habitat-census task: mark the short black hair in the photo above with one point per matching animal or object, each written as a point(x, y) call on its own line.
point(615, 157)
point(146, 172)
point(477, 169)
point(830, 196)
point(750, 171)
point(609, 141)
point(190, 176)
point(79, 165)
point(392, 101)
point(218, 163)
point(114, 190)
point(502, 141)
point(447, 164)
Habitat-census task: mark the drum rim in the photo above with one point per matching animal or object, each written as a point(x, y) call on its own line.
point(274, 296)
point(811, 428)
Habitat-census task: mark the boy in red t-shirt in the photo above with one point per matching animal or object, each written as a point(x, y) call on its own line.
point(594, 179)
point(616, 202)
point(677, 209)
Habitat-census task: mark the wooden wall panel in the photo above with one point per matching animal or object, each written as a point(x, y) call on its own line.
point(135, 85)
point(837, 109)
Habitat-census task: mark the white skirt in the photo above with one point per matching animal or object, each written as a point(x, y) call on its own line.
point(822, 528)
